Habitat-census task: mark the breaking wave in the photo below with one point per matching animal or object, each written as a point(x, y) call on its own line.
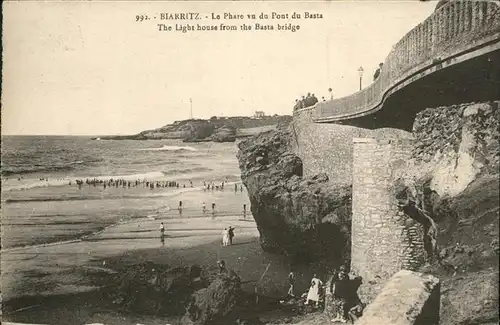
point(170, 148)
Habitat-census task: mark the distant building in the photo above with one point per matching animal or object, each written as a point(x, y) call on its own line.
point(259, 114)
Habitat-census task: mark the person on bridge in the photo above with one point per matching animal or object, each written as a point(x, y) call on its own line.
point(297, 105)
point(377, 72)
point(313, 100)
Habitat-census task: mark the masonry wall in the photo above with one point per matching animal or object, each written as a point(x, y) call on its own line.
point(327, 147)
point(323, 148)
point(383, 239)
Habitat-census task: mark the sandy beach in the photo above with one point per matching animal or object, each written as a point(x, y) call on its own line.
point(47, 283)
point(61, 243)
point(71, 272)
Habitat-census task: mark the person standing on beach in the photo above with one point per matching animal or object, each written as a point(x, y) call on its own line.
point(230, 232)
point(241, 188)
point(291, 282)
point(204, 207)
point(225, 237)
point(162, 230)
point(244, 211)
point(213, 207)
point(180, 205)
point(236, 187)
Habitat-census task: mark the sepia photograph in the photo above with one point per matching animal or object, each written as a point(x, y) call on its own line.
point(312, 162)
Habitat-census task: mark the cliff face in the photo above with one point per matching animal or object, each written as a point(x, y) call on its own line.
point(304, 218)
point(225, 133)
point(454, 145)
point(454, 178)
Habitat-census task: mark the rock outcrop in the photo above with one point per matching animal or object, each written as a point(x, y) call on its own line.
point(304, 218)
point(209, 306)
point(454, 145)
point(222, 129)
point(198, 130)
point(150, 288)
point(454, 178)
point(225, 133)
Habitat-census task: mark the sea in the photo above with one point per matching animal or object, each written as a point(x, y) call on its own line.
point(57, 236)
point(40, 206)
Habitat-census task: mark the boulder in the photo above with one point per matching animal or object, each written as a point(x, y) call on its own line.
point(214, 303)
point(304, 218)
point(197, 130)
point(409, 298)
point(225, 133)
point(150, 288)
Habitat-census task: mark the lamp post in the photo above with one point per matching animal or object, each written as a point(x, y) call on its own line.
point(360, 71)
point(190, 108)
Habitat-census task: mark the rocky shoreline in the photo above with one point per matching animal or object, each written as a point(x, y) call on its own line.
point(223, 129)
point(452, 176)
point(306, 218)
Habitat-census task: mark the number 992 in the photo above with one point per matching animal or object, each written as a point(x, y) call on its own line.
point(141, 17)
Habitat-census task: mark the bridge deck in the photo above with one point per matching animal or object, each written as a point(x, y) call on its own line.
point(459, 36)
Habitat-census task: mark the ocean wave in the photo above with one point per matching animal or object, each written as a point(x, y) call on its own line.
point(170, 148)
point(37, 168)
point(187, 170)
point(171, 193)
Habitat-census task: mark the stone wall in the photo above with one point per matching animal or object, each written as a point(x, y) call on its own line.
point(327, 148)
point(409, 298)
point(383, 239)
point(323, 148)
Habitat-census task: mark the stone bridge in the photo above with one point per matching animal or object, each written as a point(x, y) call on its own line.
point(452, 57)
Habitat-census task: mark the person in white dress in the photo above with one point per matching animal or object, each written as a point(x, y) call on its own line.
point(313, 294)
point(225, 237)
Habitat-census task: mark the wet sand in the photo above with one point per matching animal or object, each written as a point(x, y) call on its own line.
point(46, 215)
point(61, 280)
point(56, 283)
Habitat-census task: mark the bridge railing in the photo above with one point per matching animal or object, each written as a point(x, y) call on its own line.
point(451, 27)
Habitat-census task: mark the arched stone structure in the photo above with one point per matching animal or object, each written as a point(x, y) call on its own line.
point(460, 35)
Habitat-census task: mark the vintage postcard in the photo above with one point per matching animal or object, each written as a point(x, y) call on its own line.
point(250, 162)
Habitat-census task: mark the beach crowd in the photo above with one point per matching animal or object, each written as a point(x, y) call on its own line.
point(149, 184)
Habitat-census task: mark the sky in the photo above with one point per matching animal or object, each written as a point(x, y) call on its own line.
point(88, 68)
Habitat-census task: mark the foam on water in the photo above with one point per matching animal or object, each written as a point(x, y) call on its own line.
point(170, 148)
